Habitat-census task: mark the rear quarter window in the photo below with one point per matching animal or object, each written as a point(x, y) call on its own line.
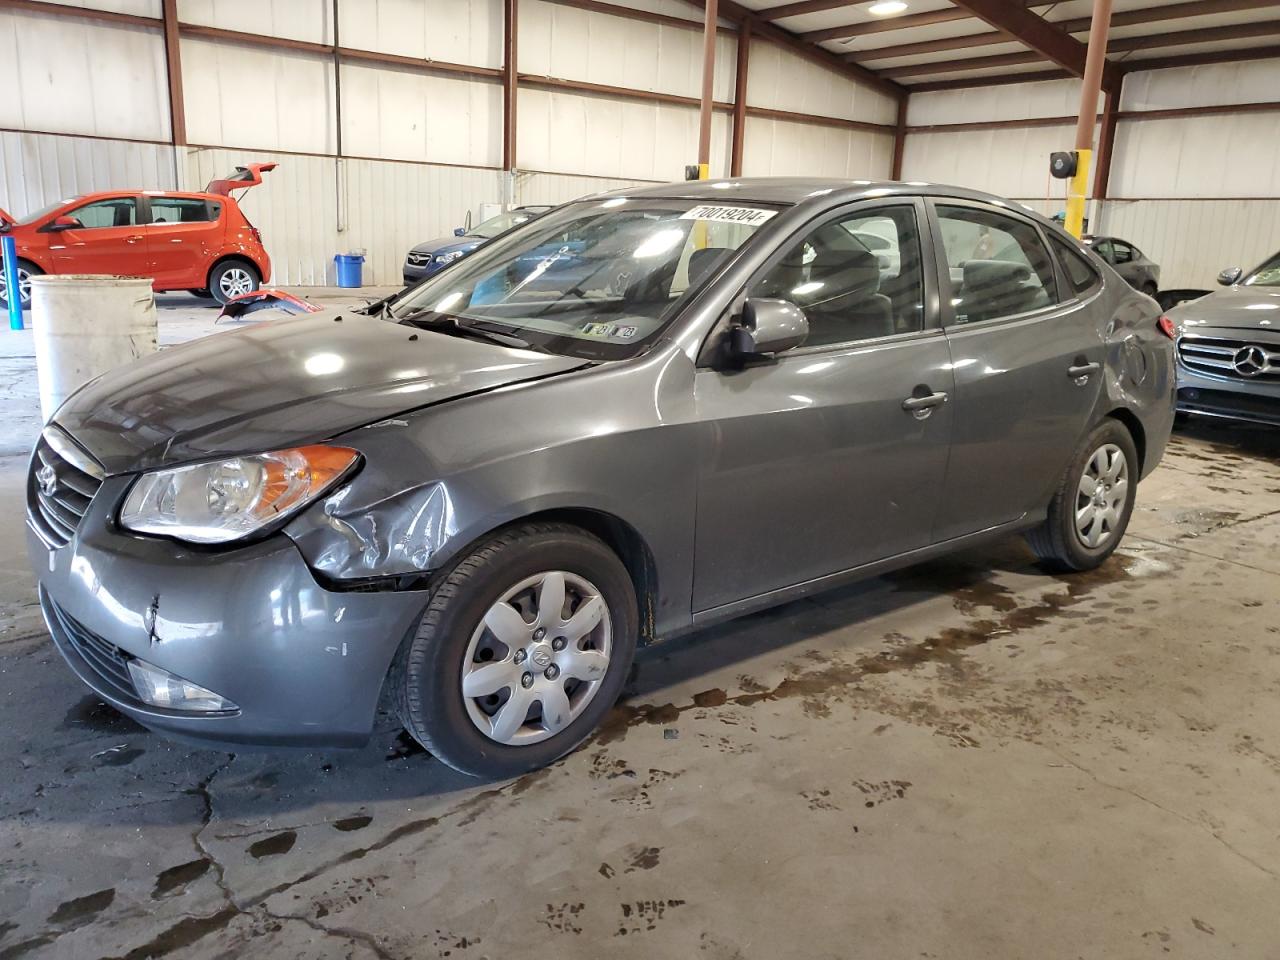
point(1081, 275)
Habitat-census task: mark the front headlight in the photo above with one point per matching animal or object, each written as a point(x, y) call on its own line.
point(449, 257)
point(226, 500)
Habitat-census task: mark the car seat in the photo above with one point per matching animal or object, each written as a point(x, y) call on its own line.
point(996, 288)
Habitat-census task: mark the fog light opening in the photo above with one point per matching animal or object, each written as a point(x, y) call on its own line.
point(160, 688)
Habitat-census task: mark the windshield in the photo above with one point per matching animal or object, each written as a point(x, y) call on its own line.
point(1267, 275)
point(45, 211)
point(500, 224)
point(594, 278)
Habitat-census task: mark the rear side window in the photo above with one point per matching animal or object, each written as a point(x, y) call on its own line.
point(998, 265)
point(1081, 274)
point(183, 210)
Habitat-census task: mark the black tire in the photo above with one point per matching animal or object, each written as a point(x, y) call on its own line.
point(426, 678)
point(1057, 542)
point(30, 270)
point(202, 294)
point(220, 276)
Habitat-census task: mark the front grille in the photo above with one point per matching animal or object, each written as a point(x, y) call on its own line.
point(107, 660)
point(417, 259)
point(1231, 358)
point(62, 483)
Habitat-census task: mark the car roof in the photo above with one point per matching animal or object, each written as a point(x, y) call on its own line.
point(794, 190)
point(139, 191)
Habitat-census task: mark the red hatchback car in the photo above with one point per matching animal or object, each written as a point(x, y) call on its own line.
point(200, 242)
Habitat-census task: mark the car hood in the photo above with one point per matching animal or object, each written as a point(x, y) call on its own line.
point(1247, 308)
point(283, 383)
point(449, 244)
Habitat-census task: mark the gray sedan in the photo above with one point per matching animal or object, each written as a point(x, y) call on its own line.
point(640, 414)
point(1229, 347)
point(1139, 270)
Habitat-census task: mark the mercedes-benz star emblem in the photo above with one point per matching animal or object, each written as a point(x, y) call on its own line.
point(1250, 361)
point(48, 480)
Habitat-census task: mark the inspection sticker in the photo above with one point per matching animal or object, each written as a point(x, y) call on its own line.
point(750, 216)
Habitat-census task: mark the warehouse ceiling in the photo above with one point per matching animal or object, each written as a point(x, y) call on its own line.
point(936, 44)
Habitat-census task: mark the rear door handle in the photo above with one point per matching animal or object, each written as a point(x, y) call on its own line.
point(134, 239)
point(921, 407)
point(1083, 370)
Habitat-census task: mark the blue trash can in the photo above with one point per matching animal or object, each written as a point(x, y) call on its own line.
point(350, 269)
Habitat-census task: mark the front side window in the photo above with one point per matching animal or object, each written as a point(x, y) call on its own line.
point(1104, 249)
point(116, 212)
point(183, 210)
point(998, 265)
point(856, 278)
point(1267, 275)
point(1121, 252)
point(596, 278)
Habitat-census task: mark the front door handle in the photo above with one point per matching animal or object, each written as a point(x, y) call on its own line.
point(134, 239)
point(921, 407)
point(1081, 372)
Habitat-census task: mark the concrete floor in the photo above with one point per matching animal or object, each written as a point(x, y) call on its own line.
point(969, 759)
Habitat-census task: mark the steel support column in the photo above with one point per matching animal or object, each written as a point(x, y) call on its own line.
point(899, 139)
point(1094, 67)
point(710, 16)
point(1106, 141)
point(510, 81)
point(740, 99)
point(173, 68)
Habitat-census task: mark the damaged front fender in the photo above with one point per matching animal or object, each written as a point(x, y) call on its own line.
point(349, 539)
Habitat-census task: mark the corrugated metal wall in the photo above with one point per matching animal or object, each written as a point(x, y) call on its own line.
point(385, 208)
point(433, 141)
point(1175, 182)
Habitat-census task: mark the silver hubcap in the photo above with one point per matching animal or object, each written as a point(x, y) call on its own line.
point(537, 658)
point(1100, 496)
point(24, 286)
point(235, 282)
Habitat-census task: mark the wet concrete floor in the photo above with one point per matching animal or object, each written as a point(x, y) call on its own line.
point(968, 759)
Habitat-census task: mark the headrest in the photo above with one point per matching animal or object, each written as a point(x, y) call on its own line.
point(994, 273)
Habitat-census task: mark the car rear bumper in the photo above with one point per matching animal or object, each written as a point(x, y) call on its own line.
point(303, 665)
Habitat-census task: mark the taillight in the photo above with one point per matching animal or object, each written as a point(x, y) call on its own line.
point(1165, 326)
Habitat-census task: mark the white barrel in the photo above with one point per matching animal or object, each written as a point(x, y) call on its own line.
point(85, 325)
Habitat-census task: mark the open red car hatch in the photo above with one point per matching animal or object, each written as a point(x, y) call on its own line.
point(5, 219)
point(244, 177)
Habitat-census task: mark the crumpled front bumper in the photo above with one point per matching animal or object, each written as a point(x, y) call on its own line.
point(303, 664)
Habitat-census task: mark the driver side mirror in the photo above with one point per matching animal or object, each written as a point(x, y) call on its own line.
point(768, 327)
point(1230, 276)
point(65, 223)
point(459, 231)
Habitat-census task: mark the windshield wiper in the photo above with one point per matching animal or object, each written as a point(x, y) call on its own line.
point(452, 324)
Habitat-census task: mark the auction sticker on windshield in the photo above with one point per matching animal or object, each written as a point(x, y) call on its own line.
point(750, 216)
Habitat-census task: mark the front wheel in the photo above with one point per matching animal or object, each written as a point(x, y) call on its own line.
point(231, 279)
point(25, 272)
point(1091, 507)
point(522, 650)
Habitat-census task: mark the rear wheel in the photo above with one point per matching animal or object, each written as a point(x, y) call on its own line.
point(26, 270)
point(231, 278)
point(522, 651)
point(1091, 508)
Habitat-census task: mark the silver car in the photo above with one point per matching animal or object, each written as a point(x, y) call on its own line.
point(640, 414)
point(1229, 347)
